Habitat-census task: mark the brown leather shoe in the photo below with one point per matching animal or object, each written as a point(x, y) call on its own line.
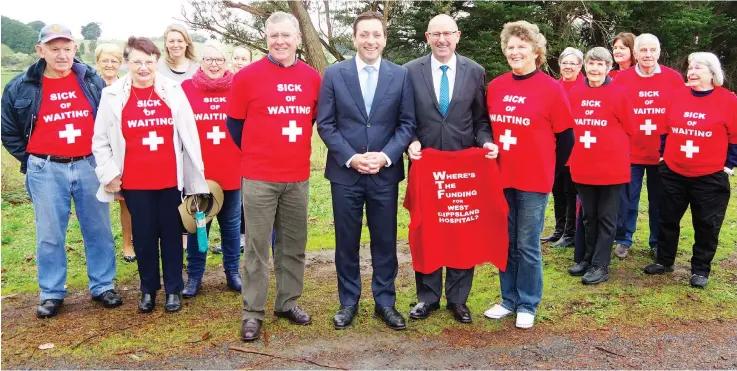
point(295, 315)
point(622, 251)
point(251, 329)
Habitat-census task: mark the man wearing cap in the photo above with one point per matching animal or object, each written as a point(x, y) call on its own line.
point(48, 115)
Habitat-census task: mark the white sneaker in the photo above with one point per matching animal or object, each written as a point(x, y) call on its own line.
point(497, 312)
point(525, 320)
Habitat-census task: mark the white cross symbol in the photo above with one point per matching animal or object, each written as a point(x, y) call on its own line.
point(153, 141)
point(70, 133)
point(648, 127)
point(507, 139)
point(216, 135)
point(292, 130)
point(690, 149)
point(587, 139)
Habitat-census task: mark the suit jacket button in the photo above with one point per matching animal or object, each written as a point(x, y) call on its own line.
point(368, 125)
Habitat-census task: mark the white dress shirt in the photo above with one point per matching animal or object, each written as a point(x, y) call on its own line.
point(362, 77)
point(437, 74)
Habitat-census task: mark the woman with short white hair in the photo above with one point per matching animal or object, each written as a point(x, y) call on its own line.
point(600, 162)
point(570, 62)
point(699, 154)
point(207, 92)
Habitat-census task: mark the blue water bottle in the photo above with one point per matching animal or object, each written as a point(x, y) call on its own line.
point(201, 231)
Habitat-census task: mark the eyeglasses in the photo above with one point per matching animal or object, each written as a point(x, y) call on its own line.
point(570, 64)
point(283, 35)
point(114, 62)
point(140, 64)
point(217, 61)
point(446, 34)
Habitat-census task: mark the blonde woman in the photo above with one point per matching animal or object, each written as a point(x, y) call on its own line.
point(108, 59)
point(179, 62)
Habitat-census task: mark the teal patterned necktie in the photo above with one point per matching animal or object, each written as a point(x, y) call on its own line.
point(444, 91)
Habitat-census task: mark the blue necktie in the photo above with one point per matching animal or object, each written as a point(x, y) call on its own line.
point(369, 88)
point(444, 91)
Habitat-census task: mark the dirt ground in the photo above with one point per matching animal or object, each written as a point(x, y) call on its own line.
point(675, 345)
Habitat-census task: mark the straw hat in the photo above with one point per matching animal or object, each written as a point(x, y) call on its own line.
point(211, 206)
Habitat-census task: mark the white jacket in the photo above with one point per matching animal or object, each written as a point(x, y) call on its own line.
point(108, 143)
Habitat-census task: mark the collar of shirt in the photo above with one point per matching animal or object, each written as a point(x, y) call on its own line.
point(360, 64)
point(656, 70)
point(274, 61)
point(435, 64)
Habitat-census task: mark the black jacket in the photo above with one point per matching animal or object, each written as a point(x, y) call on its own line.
point(22, 100)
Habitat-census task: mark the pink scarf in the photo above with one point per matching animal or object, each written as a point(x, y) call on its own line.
point(203, 82)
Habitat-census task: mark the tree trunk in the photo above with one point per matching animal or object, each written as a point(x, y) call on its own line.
point(312, 45)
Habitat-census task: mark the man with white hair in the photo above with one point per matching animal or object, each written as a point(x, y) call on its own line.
point(276, 116)
point(48, 115)
point(650, 87)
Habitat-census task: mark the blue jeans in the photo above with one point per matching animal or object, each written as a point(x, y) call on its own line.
point(654, 198)
point(52, 186)
point(229, 219)
point(522, 282)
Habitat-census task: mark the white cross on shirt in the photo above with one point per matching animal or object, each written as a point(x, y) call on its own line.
point(587, 139)
point(507, 139)
point(70, 133)
point(648, 127)
point(216, 135)
point(153, 141)
point(689, 149)
point(292, 131)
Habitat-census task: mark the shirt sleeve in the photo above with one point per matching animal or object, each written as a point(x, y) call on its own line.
point(238, 98)
point(561, 118)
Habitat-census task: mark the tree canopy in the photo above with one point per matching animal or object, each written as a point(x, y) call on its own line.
point(18, 35)
point(91, 31)
point(682, 27)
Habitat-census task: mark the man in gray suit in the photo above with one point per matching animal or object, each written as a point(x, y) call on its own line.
point(451, 115)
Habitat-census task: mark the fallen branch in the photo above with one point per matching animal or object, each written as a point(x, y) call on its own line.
point(104, 332)
point(605, 350)
point(301, 360)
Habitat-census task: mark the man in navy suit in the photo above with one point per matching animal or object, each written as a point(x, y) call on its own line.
point(366, 117)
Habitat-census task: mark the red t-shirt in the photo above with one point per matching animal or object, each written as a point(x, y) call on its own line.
point(148, 128)
point(525, 116)
point(458, 213)
point(603, 117)
point(699, 132)
point(650, 97)
point(279, 105)
point(220, 155)
point(65, 124)
point(568, 85)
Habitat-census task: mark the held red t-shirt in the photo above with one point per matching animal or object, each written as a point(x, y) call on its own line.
point(601, 152)
point(458, 213)
point(525, 116)
point(148, 128)
point(279, 105)
point(220, 155)
point(700, 130)
point(650, 97)
point(65, 124)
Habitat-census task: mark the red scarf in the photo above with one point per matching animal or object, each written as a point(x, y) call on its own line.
point(203, 82)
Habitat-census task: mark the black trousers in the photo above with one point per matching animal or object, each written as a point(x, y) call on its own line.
point(564, 203)
point(708, 197)
point(155, 220)
point(600, 204)
point(457, 285)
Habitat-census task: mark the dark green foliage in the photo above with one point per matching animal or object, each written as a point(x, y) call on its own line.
point(18, 36)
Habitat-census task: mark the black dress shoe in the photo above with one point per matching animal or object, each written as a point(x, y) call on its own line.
point(109, 299)
point(173, 303)
point(657, 268)
point(555, 236)
point(565, 241)
point(251, 329)
point(698, 281)
point(344, 317)
point(460, 312)
point(192, 287)
point(578, 269)
point(391, 317)
point(49, 308)
point(595, 275)
point(147, 303)
point(422, 310)
point(295, 315)
point(234, 281)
